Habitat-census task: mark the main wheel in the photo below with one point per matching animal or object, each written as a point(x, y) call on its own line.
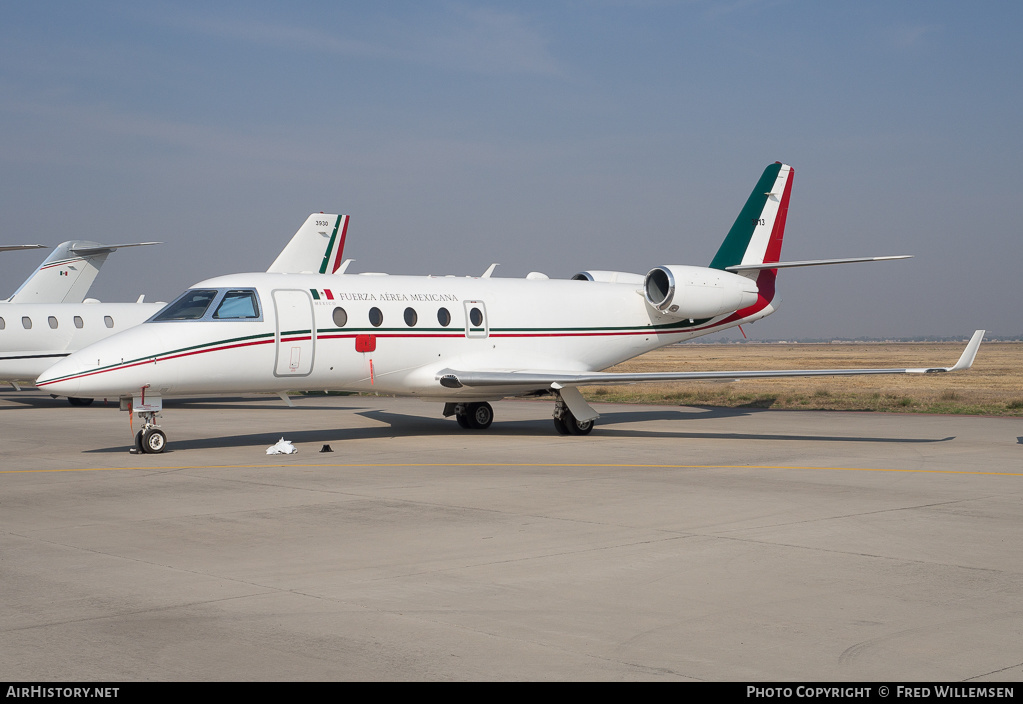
point(74, 401)
point(463, 420)
point(480, 415)
point(153, 441)
point(579, 427)
point(574, 426)
point(560, 426)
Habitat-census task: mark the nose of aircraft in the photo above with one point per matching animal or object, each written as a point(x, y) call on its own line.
point(63, 378)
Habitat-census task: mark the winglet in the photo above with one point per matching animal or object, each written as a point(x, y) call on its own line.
point(966, 360)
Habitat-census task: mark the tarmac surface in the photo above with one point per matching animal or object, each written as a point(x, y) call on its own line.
point(675, 544)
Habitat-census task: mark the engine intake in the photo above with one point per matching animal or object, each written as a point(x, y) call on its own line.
point(697, 292)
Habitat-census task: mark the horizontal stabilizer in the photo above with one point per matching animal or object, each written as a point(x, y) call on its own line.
point(543, 380)
point(811, 262)
point(86, 248)
point(14, 247)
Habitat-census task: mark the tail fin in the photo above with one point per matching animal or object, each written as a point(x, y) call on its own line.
point(316, 247)
point(67, 274)
point(757, 234)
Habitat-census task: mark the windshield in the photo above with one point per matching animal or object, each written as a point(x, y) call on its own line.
point(237, 304)
point(191, 305)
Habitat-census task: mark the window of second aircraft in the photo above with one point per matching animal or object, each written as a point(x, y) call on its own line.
point(53, 322)
point(2, 324)
point(340, 317)
point(79, 323)
point(444, 317)
point(26, 322)
point(411, 318)
point(108, 321)
point(376, 318)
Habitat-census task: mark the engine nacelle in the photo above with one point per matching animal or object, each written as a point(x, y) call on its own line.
point(610, 277)
point(697, 292)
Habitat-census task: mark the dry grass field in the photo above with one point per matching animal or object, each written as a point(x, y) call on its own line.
point(994, 386)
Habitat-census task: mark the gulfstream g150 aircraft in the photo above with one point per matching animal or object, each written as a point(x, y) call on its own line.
point(460, 341)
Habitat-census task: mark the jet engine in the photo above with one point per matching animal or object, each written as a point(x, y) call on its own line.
point(694, 292)
point(610, 277)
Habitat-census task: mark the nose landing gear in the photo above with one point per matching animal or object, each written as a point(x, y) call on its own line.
point(150, 439)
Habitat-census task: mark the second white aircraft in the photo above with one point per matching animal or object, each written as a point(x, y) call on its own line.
point(461, 341)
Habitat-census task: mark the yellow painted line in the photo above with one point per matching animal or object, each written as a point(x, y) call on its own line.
point(511, 464)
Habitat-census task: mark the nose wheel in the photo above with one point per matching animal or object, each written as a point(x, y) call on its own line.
point(151, 440)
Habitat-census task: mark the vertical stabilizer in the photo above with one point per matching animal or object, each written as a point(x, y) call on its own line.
point(757, 233)
point(316, 247)
point(68, 273)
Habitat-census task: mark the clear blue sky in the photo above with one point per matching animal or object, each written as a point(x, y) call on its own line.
point(549, 136)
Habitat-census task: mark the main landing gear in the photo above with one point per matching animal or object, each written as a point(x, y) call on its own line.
point(472, 416)
point(566, 423)
point(479, 416)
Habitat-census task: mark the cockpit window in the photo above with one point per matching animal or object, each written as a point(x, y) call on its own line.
point(237, 304)
point(191, 305)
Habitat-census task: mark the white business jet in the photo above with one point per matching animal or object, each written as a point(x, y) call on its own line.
point(460, 341)
point(35, 335)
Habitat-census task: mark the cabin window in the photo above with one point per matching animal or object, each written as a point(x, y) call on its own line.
point(79, 323)
point(2, 324)
point(108, 321)
point(191, 305)
point(237, 304)
point(376, 318)
point(444, 317)
point(53, 322)
point(26, 322)
point(340, 317)
point(411, 318)
point(476, 317)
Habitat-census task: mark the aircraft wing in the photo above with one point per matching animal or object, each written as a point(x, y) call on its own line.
point(455, 379)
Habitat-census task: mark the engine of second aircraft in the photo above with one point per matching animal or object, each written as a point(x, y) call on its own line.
point(680, 291)
point(609, 277)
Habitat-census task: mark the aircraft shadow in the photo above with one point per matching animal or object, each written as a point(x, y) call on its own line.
point(402, 425)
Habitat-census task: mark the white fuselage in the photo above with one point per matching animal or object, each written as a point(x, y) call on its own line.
point(33, 336)
point(389, 336)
